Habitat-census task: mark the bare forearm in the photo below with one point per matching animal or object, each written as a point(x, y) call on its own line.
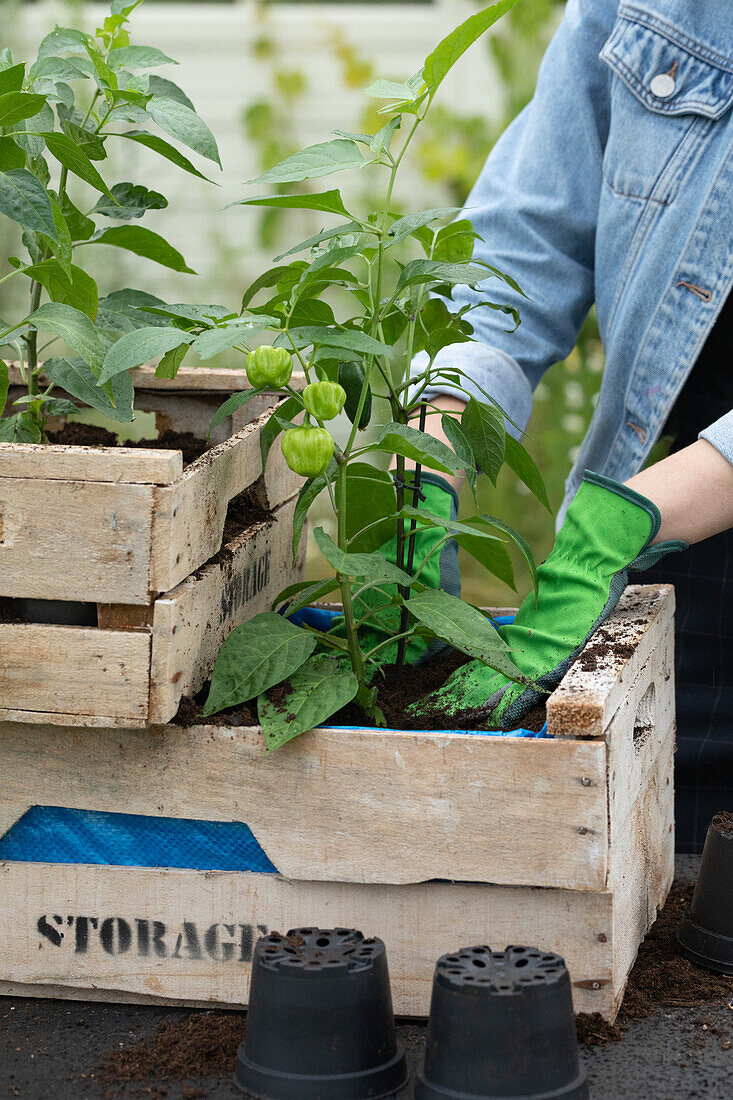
point(693, 490)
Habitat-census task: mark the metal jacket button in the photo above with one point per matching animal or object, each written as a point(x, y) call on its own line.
point(663, 85)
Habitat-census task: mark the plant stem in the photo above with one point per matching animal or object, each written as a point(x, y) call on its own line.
point(364, 695)
point(405, 592)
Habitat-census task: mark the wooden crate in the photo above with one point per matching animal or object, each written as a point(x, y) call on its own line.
point(566, 843)
point(132, 531)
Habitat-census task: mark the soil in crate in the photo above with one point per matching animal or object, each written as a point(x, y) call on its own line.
point(396, 689)
point(89, 435)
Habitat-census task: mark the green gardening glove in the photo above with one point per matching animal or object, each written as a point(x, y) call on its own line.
point(608, 530)
point(441, 571)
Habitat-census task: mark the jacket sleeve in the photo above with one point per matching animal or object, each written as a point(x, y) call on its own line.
point(720, 434)
point(535, 205)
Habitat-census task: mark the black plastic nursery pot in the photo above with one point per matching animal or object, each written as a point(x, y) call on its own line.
point(501, 1025)
point(706, 932)
point(320, 1024)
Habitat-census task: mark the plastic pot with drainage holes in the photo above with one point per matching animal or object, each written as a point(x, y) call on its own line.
point(320, 1024)
point(706, 932)
point(501, 1025)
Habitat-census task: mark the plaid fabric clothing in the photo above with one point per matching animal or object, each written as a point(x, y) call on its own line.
point(703, 580)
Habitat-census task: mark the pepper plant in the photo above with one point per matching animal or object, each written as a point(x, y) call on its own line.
point(59, 117)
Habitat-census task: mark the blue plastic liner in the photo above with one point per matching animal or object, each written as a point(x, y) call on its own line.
point(55, 834)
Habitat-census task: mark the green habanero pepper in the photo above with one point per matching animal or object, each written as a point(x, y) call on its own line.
point(269, 368)
point(324, 400)
point(307, 450)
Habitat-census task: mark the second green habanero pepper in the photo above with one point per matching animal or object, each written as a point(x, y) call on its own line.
point(324, 400)
point(307, 450)
point(269, 368)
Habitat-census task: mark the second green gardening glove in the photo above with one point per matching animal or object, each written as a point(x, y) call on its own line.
point(608, 529)
point(441, 571)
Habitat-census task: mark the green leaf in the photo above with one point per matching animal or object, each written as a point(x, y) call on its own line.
point(121, 312)
point(519, 541)
point(519, 459)
point(74, 159)
point(4, 384)
point(326, 234)
point(236, 401)
point(160, 86)
point(256, 656)
point(312, 488)
point(141, 346)
point(23, 198)
point(408, 91)
point(271, 278)
point(130, 200)
point(370, 494)
point(74, 328)
point(11, 80)
point(18, 428)
point(195, 315)
point(306, 593)
point(170, 364)
point(484, 428)
point(465, 628)
point(439, 63)
point(164, 149)
point(454, 243)
point(432, 271)
point(460, 444)
point(63, 40)
point(418, 446)
point(216, 340)
point(487, 549)
point(55, 68)
point(144, 242)
point(404, 227)
point(138, 57)
point(74, 376)
point(63, 247)
point(348, 339)
point(383, 138)
point(316, 160)
point(11, 155)
point(16, 106)
point(79, 290)
point(328, 201)
point(371, 567)
point(183, 124)
point(79, 225)
point(320, 688)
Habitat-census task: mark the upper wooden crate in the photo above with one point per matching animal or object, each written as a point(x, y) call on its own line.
point(120, 526)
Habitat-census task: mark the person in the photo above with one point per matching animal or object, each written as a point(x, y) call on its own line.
point(615, 187)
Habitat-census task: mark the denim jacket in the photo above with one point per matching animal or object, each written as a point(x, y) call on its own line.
point(614, 185)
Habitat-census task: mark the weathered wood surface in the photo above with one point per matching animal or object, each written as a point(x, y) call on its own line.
point(345, 805)
point(133, 669)
point(595, 685)
point(120, 465)
point(208, 922)
point(188, 516)
point(200, 379)
point(64, 669)
point(191, 622)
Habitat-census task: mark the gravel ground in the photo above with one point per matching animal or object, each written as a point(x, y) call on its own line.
point(49, 1050)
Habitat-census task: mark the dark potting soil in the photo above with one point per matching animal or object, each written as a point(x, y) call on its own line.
point(201, 1045)
point(89, 435)
point(723, 821)
point(661, 978)
point(396, 689)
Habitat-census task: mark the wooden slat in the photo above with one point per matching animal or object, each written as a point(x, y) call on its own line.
point(418, 923)
point(74, 669)
point(41, 718)
point(191, 622)
point(116, 464)
point(202, 379)
point(75, 540)
point(344, 805)
point(189, 515)
point(587, 698)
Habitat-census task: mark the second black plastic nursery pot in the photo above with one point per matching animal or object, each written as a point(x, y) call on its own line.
point(501, 1025)
point(320, 1024)
point(706, 932)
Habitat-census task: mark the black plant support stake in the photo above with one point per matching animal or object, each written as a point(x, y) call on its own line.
point(405, 592)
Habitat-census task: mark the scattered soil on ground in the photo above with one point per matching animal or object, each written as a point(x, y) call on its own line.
point(88, 435)
point(662, 978)
point(396, 689)
point(723, 821)
point(204, 1044)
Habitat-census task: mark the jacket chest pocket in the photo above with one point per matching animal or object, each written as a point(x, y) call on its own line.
point(666, 97)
